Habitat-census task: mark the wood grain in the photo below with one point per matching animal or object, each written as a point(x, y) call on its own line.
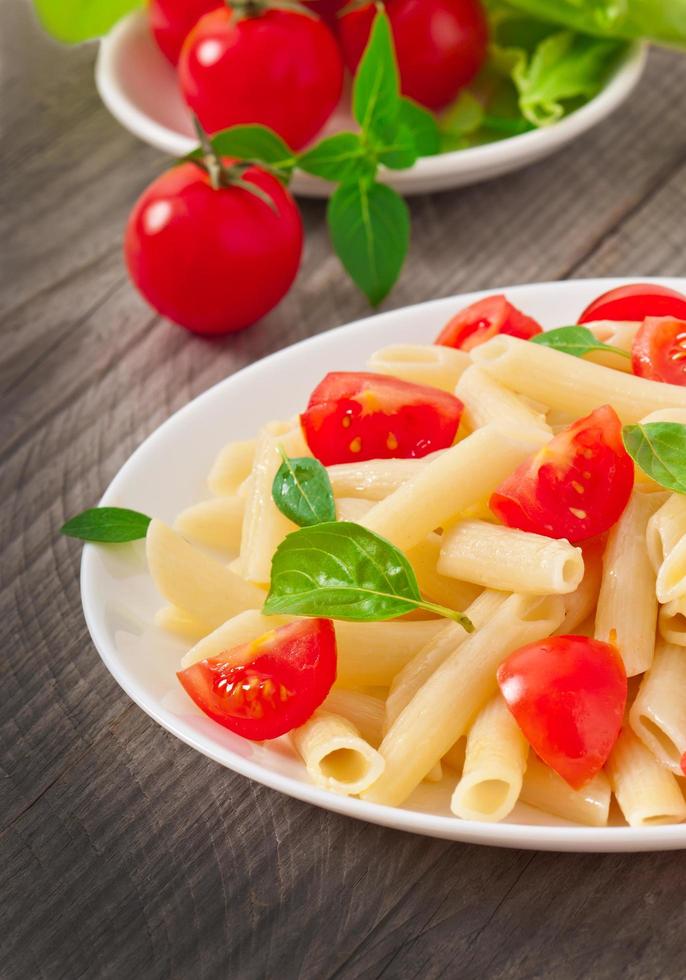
point(125, 853)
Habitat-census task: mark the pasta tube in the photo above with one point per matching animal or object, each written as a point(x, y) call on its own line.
point(665, 529)
point(486, 400)
point(243, 628)
point(658, 715)
point(335, 754)
point(231, 467)
point(617, 333)
point(505, 558)
point(352, 508)
point(627, 605)
point(199, 585)
point(374, 479)
point(571, 383)
point(646, 791)
point(439, 588)
point(443, 707)
point(671, 622)
point(371, 654)
point(442, 489)
point(213, 523)
point(424, 364)
point(581, 603)
point(544, 789)
point(364, 711)
point(494, 766)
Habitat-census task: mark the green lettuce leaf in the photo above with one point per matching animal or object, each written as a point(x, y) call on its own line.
point(73, 21)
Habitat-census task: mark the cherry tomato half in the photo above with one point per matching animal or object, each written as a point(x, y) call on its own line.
point(659, 350)
point(172, 21)
point(636, 302)
point(484, 319)
point(268, 687)
point(353, 416)
point(281, 68)
point(575, 487)
point(440, 45)
point(213, 260)
point(567, 694)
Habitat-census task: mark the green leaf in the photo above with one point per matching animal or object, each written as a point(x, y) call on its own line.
point(460, 120)
point(659, 449)
point(370, 230)
point(402, 153)
point(114, 524)
point(423, 126)
point(253, 143)
point(576, 341)
point(342, 158)
point(73, 21)
point(342, 570)
point(376, 89)
point(302, 491)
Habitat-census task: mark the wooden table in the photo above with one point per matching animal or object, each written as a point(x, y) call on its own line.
point(125, 853)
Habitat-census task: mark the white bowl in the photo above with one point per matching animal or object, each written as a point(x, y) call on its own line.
point(168, 471)
point(139, 87)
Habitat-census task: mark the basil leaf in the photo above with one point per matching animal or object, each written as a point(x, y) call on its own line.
point(342, 570)
point(576, 341)
point(253, 143)
point(422, 124)
point(73, 21)
point(659, 449)
point(370, 230)
point(342, 158)
point(113, 524)
point(403, 151)
point(376, 89)
point(302, 491)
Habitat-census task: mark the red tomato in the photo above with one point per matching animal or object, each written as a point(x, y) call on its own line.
point(172, 21)
point(327, 10)
point(440, 45)
point(484, 319)
point(636, 302)
point(659, 350)
point(353, 416)
point(567, 694)
point(575, 487)
point(266, 688)
point(213, 260)
point(280, 68)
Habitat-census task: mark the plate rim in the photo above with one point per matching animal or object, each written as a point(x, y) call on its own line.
point(520, 150)
point(561, 838)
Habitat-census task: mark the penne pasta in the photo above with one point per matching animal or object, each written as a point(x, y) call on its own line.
point(424, 364)
point(242, 628)
point(658, 714)
point(443, 707)
point(455, 756)
point(671, 576)
point(440, 491)
point(439, 588)
point(371, 654)
point(665, 529)
point(511, 560)
point(231, 467)
point(374, 479)
point(199, 585)
point(581, 603)
point(335, 754)
point(544, 789)
point(615, 333)
point(364, 711)
point(671, 622)
point(486, 400)
point(352, 508)
point(213, 523)
point(494, 765)
point(264, 526)
point(571, 383)
point(627, 605)
point(646, 791)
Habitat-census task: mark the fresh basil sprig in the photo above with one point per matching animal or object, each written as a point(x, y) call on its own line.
point(302, 491)
point(575, 340)
point(342, 570)
point(659, 449)
point(107, 524)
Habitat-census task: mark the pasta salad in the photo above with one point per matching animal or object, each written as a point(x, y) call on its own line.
point(466, 563)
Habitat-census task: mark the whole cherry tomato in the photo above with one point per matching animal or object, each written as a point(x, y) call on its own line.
point(636, 302)
point(327, 10)
point(440, 45)
point(268, 687)
point(575, 487)
point(484, 319)
point(353, 416)
point(171, 22)
point(213, 259)
point(280, 68)
point(567, 694)
point(659, 350)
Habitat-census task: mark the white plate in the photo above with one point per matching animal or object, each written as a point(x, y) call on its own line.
point(139, 87)
point(168, 472)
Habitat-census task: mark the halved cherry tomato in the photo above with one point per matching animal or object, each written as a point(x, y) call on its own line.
point(268, 687)
point(567, 694)
point(484, 319)
point(636, 302)
point(575, 487)
point(353, 416)
point(659, 350)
